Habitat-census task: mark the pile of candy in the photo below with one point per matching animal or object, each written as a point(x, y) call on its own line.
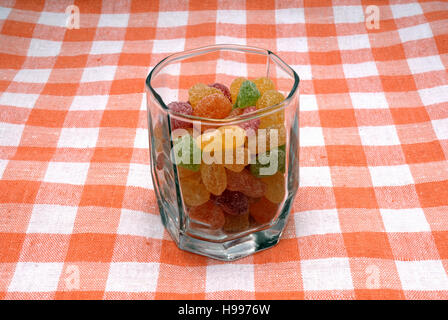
point(232, 196)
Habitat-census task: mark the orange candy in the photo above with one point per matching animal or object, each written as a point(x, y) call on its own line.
point(275, 187)
point(209, 215)
point(236, 223)
point(264, 84)
point(263, 210)
point(194, 192)
point(199, 91)
point(214, 178)
point(245, 183)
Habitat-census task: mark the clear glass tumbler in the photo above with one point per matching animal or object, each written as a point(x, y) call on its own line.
point(234, 196)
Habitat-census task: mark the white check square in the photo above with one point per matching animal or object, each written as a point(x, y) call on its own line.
point(311, 137)
point(425, 64)
point(4, 12)
point(434, 95)
point(113, 20)
point(218, 279)
point(425, 275)
point(140, 176)
point(44, 48)
point(308, 102)
point(384, 176)
point(3, 164)
point(33, 75)
point(360, 70)
point(327, 274)
point(353, 42)
point(23, 100)
point(232, 40)
point(315, 222)
point(421, 31)
point(405, 10)
point(290, 16)
point(97, 102)
point(304, 72)
point(141, 140)
point(293, 44)
point(379, 136)
point(78, 138)
point(138, 223)
point(10, 134)
point(168, 19)
point(441, 128)
point(35, 277)
point(369, 100)
point(231, 16)
point(67, 172)
point(106, 47)
point(132, 277)
point(47, 218)
point(233, 68)
point(167, 46)
point(315, 177)
point(405, 220)
point(348, 14)
point(102, 73)
point(55, 19)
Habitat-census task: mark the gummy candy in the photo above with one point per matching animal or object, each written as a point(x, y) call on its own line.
point(264, 84)
point(240, 159)
point(264, 137)
point(214, 178)
point(246, 183)
point(268, 159)
point(184, 173)
point(208, 214)
point(233, 202)
point(183, 108)
point(199, 91)
point(275, 187)
point(236, 223)
point(248, 95)
point(263, 210)
point(225, 137)
point(192, 157)
point(235, 88)
point(270, 98)
point(194, 192)
point(223, 89)
point(214, 106)
point(251, 126)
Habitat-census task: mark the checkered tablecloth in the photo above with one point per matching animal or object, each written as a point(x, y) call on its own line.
point(78, 216)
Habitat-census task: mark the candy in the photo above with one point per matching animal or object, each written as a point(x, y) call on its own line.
point(235, 88)
point(183, 108)
point(271, 98)
point(236, 223)
point(213, 106)
point(223, 89)
point(233, 202)
point(264, 84)
point(194, 192)
point(275, 187)
point(160, 161)
point(199, 91)
point(245, 183)
point(269, 163)
point(239, 160)
point(251, 126)
point(186, 153)
point(209, 215)
point(248, 95)
point(225, 137)
point(214, 178)
point(263, 210)
point(275, 135)
point(184, 173)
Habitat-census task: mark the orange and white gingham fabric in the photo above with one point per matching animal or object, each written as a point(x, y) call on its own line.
point(78, 216)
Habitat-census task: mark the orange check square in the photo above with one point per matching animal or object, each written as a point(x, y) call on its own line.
point(423, 152)
point(345, 155)
point(398, 83)
point(18, 28)
point(325, 58)
point(337, 118)
point(433, 194)
point(91, 247)
point(409, 115)
point(46, 118)
point(395, 52)
point(441, 240)
point(355, 198)
point(120, 118)
point(17, 191)
point(326, 86)
point(368, 244)
point(109, 196)
point(10, 246)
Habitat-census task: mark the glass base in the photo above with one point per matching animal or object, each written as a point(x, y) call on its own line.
point(232, 249)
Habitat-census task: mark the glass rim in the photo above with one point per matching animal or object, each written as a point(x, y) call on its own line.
point(227, 47)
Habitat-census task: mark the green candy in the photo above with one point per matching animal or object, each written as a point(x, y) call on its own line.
point(248, 95)
point(264, 161)
point(186, 153)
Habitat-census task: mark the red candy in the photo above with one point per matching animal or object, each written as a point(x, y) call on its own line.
point(246, 183)
point(214, 106)
point(223, 89)
point(263, 210)
point(183, 108)
point(233, 202)
point(251, 126)
point(208, 214)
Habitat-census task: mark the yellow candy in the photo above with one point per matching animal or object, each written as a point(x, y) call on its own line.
point(214, 178)
point(235, 88)
point(194, 191)
point(262, 142)
point(238, 155)
point(199, 91)
point(270, 98)
point(224, 138)
point(275, 187)
point(264, 84)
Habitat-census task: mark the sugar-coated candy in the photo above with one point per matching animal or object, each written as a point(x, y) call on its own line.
point(208, 215)
point(223, 89)
point(186, 153)
point(269, 163)
point(275, 135)
point(199, 91)
point(240, 158)
point(213, 106)
point(233, 202)
point(251, 126)
point(214, 178)
point(271, 98)
point(237, 223)
point(262, 210)
point(275, 187)
point(235, 88)
point(193, 190)
point(184, 172)
point(248, 95)
point(264, 84)
point(246, 183)
point(225, 137)
point(183, 108)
